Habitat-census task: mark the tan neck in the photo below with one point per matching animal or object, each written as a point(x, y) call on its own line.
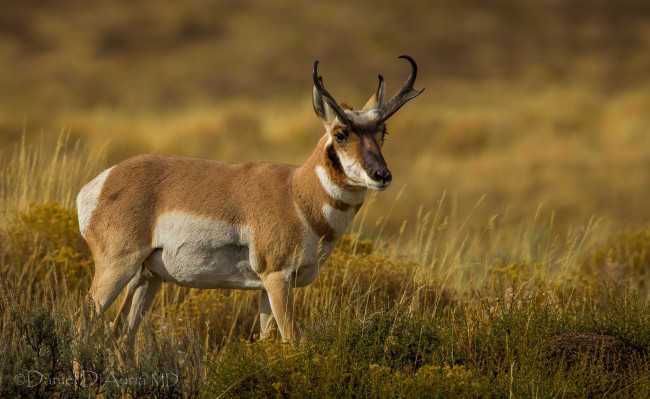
point(322, 195)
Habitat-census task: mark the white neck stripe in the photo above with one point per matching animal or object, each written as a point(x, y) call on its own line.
point(338, 193)
point(338, 220)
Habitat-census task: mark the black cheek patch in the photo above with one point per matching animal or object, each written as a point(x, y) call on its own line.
point(334, 159)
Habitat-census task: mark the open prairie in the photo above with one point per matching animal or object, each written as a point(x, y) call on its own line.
point(511, 256)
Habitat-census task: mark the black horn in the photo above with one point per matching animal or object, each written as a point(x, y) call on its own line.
point(318, 82)
point(406, 93)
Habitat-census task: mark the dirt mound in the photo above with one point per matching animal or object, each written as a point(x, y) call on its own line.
point(612, 353)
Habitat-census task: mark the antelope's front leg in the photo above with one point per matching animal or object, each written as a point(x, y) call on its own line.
point(280, 294)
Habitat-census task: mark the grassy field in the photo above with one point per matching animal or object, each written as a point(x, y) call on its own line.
point(510, 259)
point(506, 310)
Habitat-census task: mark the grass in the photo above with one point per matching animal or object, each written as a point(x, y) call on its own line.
point(510, 259)
point(505, 310)
point(462, 350)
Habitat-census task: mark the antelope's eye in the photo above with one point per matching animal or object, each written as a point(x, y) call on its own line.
point(340, 137)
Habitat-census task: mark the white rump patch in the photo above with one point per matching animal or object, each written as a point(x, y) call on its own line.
point(87, 199)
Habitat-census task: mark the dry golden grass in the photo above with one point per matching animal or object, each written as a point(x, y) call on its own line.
point(38, 173)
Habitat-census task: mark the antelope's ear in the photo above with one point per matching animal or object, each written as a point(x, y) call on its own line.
point(321, 107)
point(377, 99)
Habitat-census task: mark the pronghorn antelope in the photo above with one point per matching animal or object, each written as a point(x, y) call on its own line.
point(206, 224)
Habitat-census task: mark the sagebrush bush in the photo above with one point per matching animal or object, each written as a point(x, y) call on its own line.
point(44, 338)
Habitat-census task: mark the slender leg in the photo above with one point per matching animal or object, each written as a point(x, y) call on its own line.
point(281, 299)
point(111, 275)
point(139, 295)
point(118, 324)
point(143, 296)
point(266, 315)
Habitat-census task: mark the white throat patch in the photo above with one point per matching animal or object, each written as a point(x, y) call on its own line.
point(339, 193)
point(338, 220)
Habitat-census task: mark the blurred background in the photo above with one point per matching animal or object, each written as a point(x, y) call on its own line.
point(528, 105)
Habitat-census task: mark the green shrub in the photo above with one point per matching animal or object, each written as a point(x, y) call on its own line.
point(464, 350)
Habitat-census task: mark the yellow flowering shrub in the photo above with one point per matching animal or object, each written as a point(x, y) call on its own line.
point(44, 237)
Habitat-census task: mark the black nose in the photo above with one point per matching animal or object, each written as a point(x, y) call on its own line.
point(382, 175)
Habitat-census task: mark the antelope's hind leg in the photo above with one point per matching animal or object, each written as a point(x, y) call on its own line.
point(140, 293)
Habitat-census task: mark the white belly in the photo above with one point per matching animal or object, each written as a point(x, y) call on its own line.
point(202, 253)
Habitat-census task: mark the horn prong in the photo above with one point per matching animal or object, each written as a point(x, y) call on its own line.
point(403, 95)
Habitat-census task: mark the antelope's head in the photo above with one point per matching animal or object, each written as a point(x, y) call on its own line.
point(356, 137)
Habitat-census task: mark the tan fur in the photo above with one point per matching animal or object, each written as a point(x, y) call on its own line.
point(370, 103)
point(139, 190)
